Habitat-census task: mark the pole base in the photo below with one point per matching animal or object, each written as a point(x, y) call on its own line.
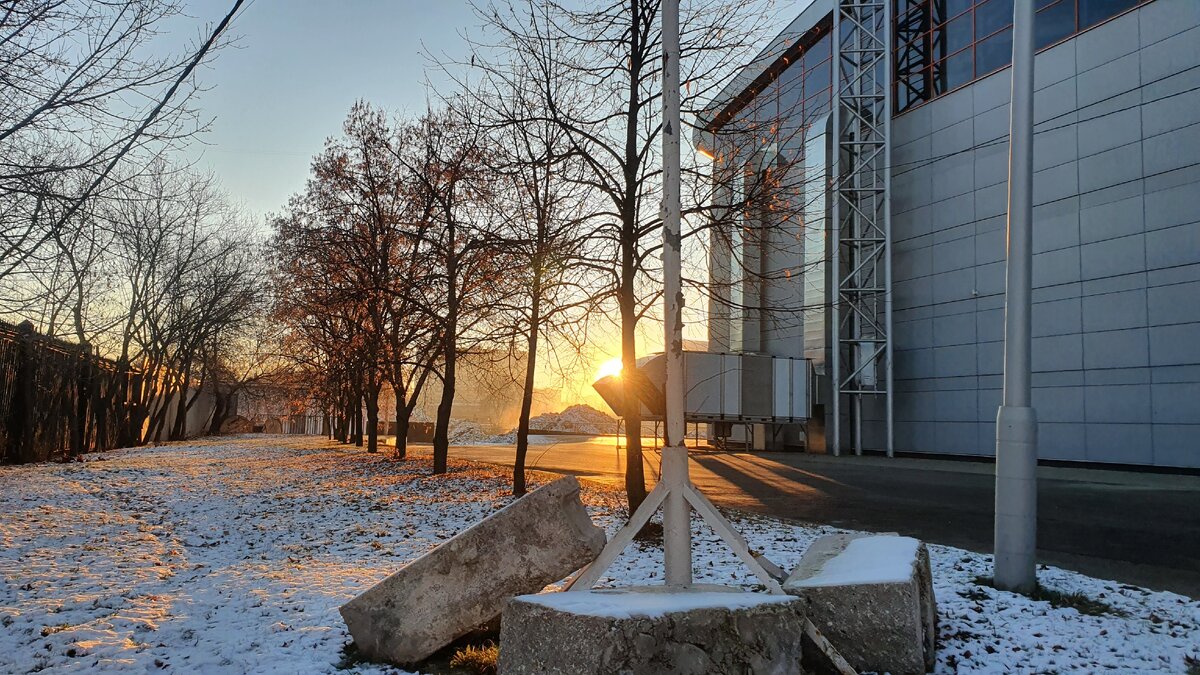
point(1015, 566)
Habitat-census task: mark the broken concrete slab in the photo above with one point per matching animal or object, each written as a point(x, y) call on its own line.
point(463, 583)
point(651, 630)
point(872, 597)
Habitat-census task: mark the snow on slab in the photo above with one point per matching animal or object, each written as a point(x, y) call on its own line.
point(880, 559)
point(232, 556)
point(630, 604)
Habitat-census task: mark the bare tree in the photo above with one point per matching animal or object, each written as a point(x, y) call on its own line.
point(599, 67)
point(541, 208)
point(444, 162)
point(81, 91)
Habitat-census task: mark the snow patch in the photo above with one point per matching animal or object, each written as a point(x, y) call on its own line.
point(882, 559)
point(627, 604)
point(579, 419)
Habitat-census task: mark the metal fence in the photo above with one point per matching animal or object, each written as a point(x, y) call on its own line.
point(58, 400)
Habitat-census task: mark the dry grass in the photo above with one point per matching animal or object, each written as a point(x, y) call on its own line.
point(479, 659)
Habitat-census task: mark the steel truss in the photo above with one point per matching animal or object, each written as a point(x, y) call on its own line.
point(861, 308)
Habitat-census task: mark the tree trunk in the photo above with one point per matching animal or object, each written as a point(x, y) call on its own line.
point(179, 428)
point(79, 415)
point(358, 420)
point(441, 435)
point(121, 416)
point(527, 392)
point(635, 479)
point(22, 413)
point(372, 401)
point(220, 411)
point(403, 417)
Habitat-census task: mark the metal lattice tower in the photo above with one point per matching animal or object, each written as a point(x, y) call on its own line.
point(861, 307)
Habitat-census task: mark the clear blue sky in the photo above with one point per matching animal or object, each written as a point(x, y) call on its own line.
point(297, 68)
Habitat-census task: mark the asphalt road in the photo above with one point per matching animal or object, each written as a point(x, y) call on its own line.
point(1133, 527)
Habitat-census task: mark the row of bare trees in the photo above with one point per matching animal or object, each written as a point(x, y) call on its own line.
point(515, 211)
point(416, 242)
point(106, 240)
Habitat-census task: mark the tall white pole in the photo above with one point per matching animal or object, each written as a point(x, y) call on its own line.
point(677, 537)
point(1016, 422)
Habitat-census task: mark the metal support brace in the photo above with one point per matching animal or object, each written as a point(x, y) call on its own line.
point(861, 303)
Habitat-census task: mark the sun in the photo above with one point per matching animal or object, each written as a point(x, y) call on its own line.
point(610, 367)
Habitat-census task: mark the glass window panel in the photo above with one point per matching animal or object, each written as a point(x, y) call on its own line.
point(909, 29)
point(737, 270)
point(815, 196)
point(766, 107)
point(914, 55)
point(953, 72)
point(993, 53)
point(791, 90)
point(991, 16)
point(817, 105)
point(912, 90)
point(1054, 23)
point(817, 79)
point(1092, 12)
point(947, 9)
point(824, 47)
point(953, 36)
point(1042, 4)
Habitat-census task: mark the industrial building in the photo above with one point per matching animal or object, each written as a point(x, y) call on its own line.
point(859, 214)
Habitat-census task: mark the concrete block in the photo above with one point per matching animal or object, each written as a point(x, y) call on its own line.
point(464, 583)
point(872, 597)
point(651, 630)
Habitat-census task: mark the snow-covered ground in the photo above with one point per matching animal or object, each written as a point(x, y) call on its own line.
point(577, 420)
point(232, 555)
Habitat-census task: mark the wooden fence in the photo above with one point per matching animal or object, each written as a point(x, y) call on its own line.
point(59, 400)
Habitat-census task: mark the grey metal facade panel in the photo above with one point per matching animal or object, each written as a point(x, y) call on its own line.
point(1117, 243)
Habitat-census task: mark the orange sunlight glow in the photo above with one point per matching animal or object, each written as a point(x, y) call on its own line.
point(609, 367)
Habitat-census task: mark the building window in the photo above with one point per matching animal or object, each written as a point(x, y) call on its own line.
point(764, 146)
point(944, 44)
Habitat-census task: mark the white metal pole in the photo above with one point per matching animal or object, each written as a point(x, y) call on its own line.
point(677, 536)
point(1016, 422)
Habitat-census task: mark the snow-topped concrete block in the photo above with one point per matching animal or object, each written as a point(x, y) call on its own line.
point(872, 597)
point(651, 630)
point(464, 583)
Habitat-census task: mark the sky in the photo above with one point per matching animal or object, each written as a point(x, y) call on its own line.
point(297, 67)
